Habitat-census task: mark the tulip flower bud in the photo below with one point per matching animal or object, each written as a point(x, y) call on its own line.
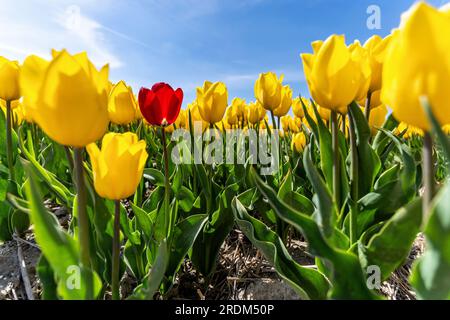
point(446, 129)
point(67, 97)
point(9, 80)
point(297, 106)
point(268, 90)
point(332, 74)
point(285, 103)
point(376, 48)
point(212, 101)
point(231, 116)
point(193, 109)
point(408, 131)
point(377, 118)
point(256, 112)
point(122, 105)
point(239, 106)
point(417, 64)
point(18, 114)
point(118, 165)
point(290, 124)
point(360, 55)
point(160, 105)
point(298, 142)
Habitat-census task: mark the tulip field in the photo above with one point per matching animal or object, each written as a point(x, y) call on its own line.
point(357, 169)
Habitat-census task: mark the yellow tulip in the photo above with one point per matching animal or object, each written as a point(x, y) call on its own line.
point(231, 117)
point(17, 111)
point(262, 124)
point(67, 97)
point(212, 101)
point(285, 123)
point(255, 112)
point(239, 106)
point(298, 142)
point(268, 90)
point(181, 122)
point(285, 103)
point(9, 79)
point(418, 64)
point(360, 55)
point(324, 113)
point(375, 100)
point(118, 166)
point(193, 109)
point(182, 119)
point(290, 124)
point(332, 74)
point(376, 48)
point(14, 104)
point(297, 106)
point(408, 131)
point(122, 104)
point(446, 129)
point(377, 118)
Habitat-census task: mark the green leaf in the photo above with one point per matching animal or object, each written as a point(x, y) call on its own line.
point(389, 248)
point(431, 274)
point(134, 255)
point(20, 221)
point(143, 220)
point(207, 245)
point(326, 152)
point(308, 283)
point(47, 278)
point(204, 180)
point(3, 188)
point(249, 197)
point(185, 198)
point(442, 137)
point(153, 281)
point(154, 176)
point(327, 211)
point(294, 199)
point(369, 163)
point(183, 237)
point(49, 178)
point(5, 214)
point(390, 196)
point(311, 122)
point(381, 140)
point(61, 251)
point(127, 229)
point(348, 280)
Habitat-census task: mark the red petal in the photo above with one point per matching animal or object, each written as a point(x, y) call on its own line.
point(175, 106)
point(149, 105)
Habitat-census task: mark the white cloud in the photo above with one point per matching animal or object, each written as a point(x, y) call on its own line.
point(36, 26)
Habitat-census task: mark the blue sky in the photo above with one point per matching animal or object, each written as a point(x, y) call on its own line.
point(184, 42)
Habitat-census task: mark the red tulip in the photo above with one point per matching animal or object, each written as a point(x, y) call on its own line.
point(160, 105)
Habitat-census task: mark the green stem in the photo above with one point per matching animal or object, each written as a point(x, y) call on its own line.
point(274, 123)
point(336, 158)
point(9, 148)
point(116, 252)
point(280, 163)
point(69, 158)
point(344, 124)
point(83, 220)
point(428, 174)
point(367, 109)
point(168, 218)
point(354, 181)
